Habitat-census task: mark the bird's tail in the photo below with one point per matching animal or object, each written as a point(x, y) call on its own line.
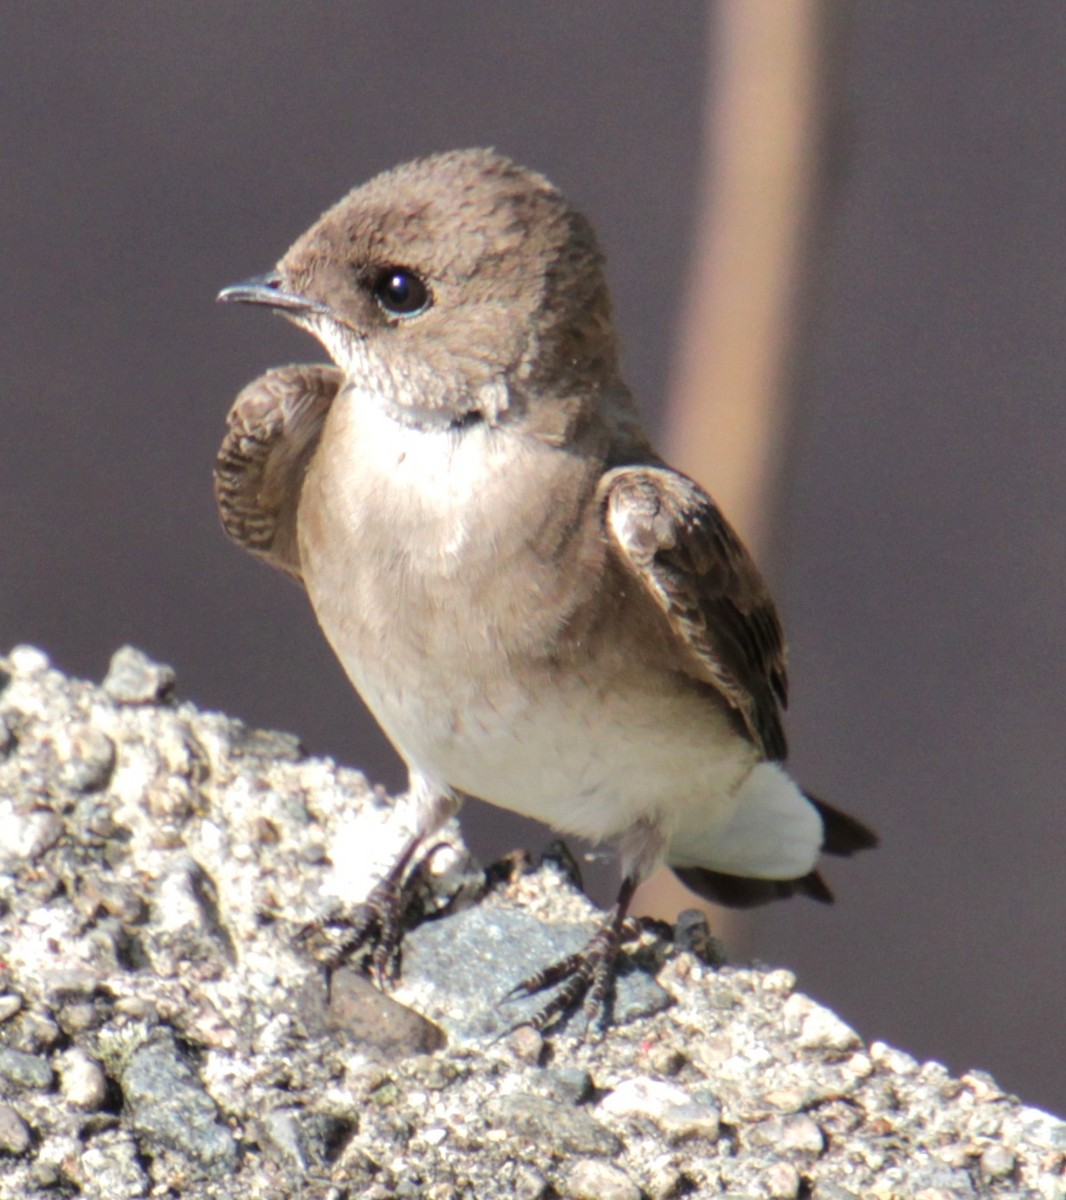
point(842, 835)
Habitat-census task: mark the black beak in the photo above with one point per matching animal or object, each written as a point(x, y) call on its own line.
point(266, 289)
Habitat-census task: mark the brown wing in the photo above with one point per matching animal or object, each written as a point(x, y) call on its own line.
point(667, 531)
point(274, 427)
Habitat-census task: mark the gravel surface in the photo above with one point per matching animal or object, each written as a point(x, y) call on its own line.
point(162, 1034)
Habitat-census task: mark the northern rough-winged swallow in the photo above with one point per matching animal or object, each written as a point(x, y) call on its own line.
point(536, 608)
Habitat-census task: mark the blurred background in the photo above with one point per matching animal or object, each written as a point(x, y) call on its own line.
point(836, 241)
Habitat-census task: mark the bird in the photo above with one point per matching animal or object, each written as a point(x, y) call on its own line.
point(537, 609)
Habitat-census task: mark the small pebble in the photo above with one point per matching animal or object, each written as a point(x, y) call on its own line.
point(10, 1003)
point(382, 1028)
point(997, 1161)
point(526, 1043)
point(691, 932)
point(40, 1031)
point(28, 660)
point(983, 1086)
point(528, 1184)
point(670, 1107)
point(569, 1083)
point(25, 836)
point(817, 1028)
point(555, 1126)
point(166, 1103)
point(664, 1179)
point(25, 1070)
point(666, 1059)
point(782, 1181)
point(590, 1179)
point(780, 981)
point(15, 1136)
point(82, 1080)
point(955, 1154)
point(86, 758)
point(797, 1134)
point(113, 1166)
point(891, 1059)
point(133, 678)
point(859, 1065)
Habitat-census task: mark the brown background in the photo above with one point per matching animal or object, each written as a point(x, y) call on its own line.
point(150, 153)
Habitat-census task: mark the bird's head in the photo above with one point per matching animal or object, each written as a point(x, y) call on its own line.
point(456, 283)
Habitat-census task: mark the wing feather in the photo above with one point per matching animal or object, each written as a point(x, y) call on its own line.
point(670, 535)
point(273, 430)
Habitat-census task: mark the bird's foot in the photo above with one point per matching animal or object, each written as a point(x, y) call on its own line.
point(586, 977)
point(374, 927)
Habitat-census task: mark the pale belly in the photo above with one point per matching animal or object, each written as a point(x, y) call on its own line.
point(446, 619)
point(555, 748)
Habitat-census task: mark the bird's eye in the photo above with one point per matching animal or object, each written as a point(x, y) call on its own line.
point(400, 292)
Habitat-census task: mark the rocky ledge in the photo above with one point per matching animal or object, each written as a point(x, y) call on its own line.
point(161, 1033)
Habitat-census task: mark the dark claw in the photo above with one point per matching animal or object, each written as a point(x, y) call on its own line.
point(585, 976)
point(376, 925)
point(545, 977)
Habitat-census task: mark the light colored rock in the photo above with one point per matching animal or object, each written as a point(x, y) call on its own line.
point(996, 1161)
point(82, 1079)
point(815, 1027)
point(15, 1136)
point(782, 1181)
point(28, 661)
point(26, 835)
point(591, 1179)
point(669, 1106)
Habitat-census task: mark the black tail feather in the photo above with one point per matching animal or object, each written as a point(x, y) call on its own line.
point(736, 891)
point(844, 835)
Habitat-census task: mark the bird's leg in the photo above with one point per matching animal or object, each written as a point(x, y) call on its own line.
point(587, 975)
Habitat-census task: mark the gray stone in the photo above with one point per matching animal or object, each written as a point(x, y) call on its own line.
point(86, 758)
point(15, 1135)
point(132, 678)
point(693, 933)
point(573, 1084)
point(996, 1161)
point(559, 1126)
point(10, 1003)
point(306, 1140)
point(25, 1070)
point(483, 952)
point(25, 836)
point(815, 1027)
point(168, 1105)
point(110, 1167)
point(790, 1135)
